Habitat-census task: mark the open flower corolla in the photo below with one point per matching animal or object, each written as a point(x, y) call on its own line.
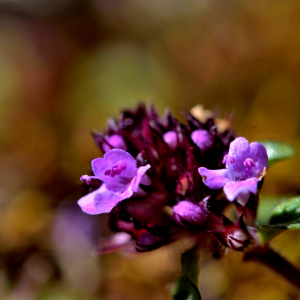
point(245, 165)
point(120, 178)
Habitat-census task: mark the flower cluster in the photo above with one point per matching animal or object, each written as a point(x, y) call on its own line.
point(160, 179)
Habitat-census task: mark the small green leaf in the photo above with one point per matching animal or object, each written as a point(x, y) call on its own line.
point(277, 150)
point(265, 233)
point(272, 217)
point(287, 213)
point(291, 226)
point(265, 208)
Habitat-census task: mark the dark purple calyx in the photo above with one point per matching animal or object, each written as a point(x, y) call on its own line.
point(234, 235)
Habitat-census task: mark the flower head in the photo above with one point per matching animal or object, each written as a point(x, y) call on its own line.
point(149, 180)
point(245, 165)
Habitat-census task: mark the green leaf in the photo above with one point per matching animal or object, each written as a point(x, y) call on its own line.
point(265, 208)
point(277, 150)
point(186, 288)
point(287, 214)
point(291, 226)
point(267, 232)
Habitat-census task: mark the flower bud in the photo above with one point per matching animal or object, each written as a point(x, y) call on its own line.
point(186, 212)
point(171, 139)
point(237, 239)
point(234, 235)
point(116, 141)
point(202, 139)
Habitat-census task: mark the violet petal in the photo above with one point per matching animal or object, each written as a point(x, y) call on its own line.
point(112, 159)
point(239, 149)
point(214, 179)
point(106, 199)
point(259, 155)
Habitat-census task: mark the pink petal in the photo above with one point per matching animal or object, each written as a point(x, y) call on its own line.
point(106, 200)
point(140, 178)
point(115, 243)
point(214, 179)
point(87, 203)
point(232, 189)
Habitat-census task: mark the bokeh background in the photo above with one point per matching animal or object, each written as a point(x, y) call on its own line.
point(68, 65)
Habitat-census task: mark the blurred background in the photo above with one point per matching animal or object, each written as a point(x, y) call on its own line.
point(66, 66)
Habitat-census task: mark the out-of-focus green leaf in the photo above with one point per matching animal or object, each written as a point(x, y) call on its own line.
point(266, 233)
point(268, 205)
point(291, 226)
point(277, 150)
point(265, 208)
point(186, 289)
point(287, 214)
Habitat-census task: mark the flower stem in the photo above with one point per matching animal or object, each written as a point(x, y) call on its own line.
point(187, 286)
point(276, 262)
point(190, 265)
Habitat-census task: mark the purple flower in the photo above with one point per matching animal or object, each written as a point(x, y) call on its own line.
point(121, 179)
point(245, 165)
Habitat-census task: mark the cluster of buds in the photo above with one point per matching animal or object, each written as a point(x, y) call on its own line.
point(160, 180)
